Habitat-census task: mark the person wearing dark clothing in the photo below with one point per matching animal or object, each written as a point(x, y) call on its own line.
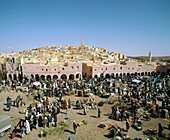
point(17, 100)
point(154, 100)
point(127, 125)
point(49, 120)
point(119, 91)
point(38, 96)
point(113, 132)
point(40, 121)
point(30, 107)
point(122, 115)
point(132, 104)
point(160, 129)
point(74, 127)
point(31, 122)
point(9, 106)
point(8, 99)
point(99, 112)
point(55, 119)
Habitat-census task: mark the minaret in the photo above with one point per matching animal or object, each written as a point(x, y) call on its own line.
point(82, 42)
point(150, 56)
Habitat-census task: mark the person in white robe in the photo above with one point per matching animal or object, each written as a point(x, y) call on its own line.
point(27, 127)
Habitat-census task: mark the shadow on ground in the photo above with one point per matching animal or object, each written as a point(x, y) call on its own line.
point(71, 132)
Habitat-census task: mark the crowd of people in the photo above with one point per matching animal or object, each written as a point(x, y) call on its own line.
point(136, 90)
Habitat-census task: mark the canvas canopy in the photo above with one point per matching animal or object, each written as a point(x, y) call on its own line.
point(36, 83)
point(136, 81)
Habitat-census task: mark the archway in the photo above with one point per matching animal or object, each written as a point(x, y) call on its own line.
point(162, 74)
point(43, 77)
point(37, 78)
point(32, 76)
point(142, 74)
point(102, 75)
point(107, 76)
point(146, 73)
point(149, 74)
point(153, 73)
point(84, 74)
point(117, 74)
point(20, 77)
point(120, 74)
point(128, 74)
point(112, 75)
point(15, 77)
point(10, 76)
point(71, 77)
point(95, 76)
point(55, 77)
point(63, 77)
point(25, 77)
point(78, 76)
point(48, 77)
point(124, 74)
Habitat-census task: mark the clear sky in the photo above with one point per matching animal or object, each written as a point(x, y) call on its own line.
point(132, 27)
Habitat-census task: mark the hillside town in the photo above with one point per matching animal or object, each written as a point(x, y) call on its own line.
point(70, 62)
point(83, 92)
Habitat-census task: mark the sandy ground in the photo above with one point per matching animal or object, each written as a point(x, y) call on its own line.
point(91, 131)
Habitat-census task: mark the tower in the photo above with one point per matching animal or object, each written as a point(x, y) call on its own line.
point(82, 42)
point(150, 56)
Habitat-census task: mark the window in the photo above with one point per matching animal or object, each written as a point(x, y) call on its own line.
point(95, 69)
point(42, 69)
point(102, 69)
point(62, 68)
point(106, 68)
point(55, 69)
point(121, 68)
point(46, 69)
point(77, 67)
point(113, 68)
point(72, 67)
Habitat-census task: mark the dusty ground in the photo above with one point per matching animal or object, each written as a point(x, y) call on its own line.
point(85, 132)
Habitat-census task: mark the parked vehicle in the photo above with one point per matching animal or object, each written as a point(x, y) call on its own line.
point(5, 124)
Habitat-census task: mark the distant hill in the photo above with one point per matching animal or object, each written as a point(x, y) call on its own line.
point(146, 58)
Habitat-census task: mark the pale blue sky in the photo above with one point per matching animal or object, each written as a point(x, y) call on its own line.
point(132, 27)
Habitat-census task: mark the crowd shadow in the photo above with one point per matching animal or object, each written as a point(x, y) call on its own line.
point(108, 136)
point(81, 113)
point(166, 127)
point(63, 112)
point(93, 116)
point(71, 132)
point(77, 108)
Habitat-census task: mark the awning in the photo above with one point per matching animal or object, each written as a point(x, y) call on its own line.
point(36, 83)
point(136, 81)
